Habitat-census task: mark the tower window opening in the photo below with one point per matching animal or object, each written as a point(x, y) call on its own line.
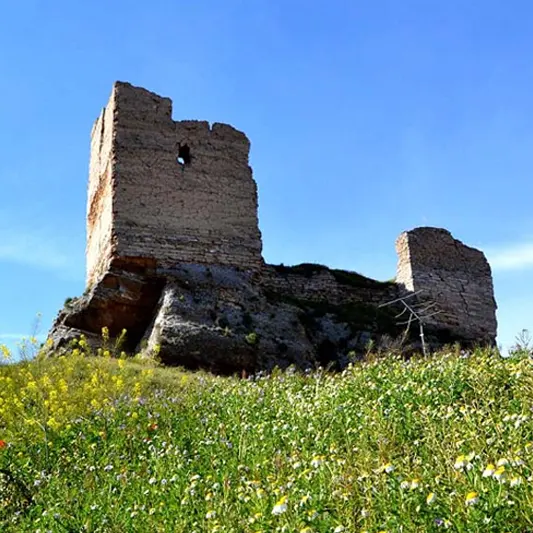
point(184, 154)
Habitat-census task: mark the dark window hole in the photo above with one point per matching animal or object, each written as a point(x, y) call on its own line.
point(184, 154)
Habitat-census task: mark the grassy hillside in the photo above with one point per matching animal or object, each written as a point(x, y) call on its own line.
point(104, 444)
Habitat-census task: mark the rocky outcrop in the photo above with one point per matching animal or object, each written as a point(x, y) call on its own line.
point(226, 319)
point(122, 300)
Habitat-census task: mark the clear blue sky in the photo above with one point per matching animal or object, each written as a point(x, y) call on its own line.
point(366, 119)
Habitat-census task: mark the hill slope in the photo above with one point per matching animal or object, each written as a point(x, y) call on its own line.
point(104, 444)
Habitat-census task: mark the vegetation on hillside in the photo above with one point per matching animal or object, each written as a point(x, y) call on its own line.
point(345, 277)
point(105, 444)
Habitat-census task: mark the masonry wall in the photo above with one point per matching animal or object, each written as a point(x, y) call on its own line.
point(99, 198)
point(162, 212)
point(455, 276)
point(323, 286)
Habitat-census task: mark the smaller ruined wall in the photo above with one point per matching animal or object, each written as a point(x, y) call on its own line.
point(455, 276)
point(318, 283)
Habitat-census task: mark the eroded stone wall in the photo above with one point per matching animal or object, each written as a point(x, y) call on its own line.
point(99, 196)
point(322, 286)
point(144, 206)
point(455, 276)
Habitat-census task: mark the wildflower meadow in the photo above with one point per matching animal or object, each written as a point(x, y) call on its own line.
point(116, 444)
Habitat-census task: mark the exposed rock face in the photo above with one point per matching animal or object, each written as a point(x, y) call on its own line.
point(206, 313)
point(226, 319)
point(174, 257)
point(122, 300)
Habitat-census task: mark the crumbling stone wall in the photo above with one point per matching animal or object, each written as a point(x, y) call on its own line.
point(455, 276)
point(100, 196)
point(321, 284)
point(148, 210)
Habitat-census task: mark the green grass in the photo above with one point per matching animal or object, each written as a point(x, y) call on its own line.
point(103, 444)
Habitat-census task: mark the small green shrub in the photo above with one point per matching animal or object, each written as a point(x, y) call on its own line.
point(252, 338)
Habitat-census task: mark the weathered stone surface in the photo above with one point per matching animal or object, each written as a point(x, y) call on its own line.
point(208, 312)
point(122, 300)
point(174, 257)
point(223, 319)
point(455, 276)
point(319, 283)
point(143, 203)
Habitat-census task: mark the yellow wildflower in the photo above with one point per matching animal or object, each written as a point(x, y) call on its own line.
point(471, 498)
point(489, 470)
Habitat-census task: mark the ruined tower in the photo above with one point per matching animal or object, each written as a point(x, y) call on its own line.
point(163, 192)
point(456, 277)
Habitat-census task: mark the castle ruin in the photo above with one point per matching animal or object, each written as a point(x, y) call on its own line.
point(147, 207)
point(174, 257)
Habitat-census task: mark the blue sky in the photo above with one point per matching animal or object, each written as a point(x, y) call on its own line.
point(366, 119)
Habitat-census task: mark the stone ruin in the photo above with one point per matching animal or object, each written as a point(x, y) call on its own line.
point(147, 206)
point(454, 276)
point(174, 258)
